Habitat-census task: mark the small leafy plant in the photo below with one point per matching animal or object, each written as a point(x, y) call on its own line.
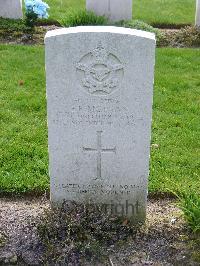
point(190, 205)
point(35, 9)
point(81, 18)
point(78, 232)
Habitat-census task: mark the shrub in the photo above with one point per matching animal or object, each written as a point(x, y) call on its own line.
point(12, 25)
point(81, 18)
point(188, 36)
point(140, 25)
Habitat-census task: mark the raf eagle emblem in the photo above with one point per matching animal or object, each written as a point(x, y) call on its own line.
point(100, 71)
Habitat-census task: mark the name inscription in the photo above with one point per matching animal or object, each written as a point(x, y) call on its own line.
point(106, 112)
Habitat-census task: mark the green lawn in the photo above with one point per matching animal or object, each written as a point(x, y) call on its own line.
point(23, 136)
point(176, 124)
point(165, 11)
point(150, 11)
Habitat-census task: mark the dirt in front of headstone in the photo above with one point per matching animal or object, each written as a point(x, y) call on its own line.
point(23, 37)
point(163, 240)
point(188, 36)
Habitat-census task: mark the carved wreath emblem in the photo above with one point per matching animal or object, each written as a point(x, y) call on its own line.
point(100, 71)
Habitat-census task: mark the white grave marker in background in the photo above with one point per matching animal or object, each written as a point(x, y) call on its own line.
point(115, 10)
point(99, 96)
point(11, 9)
point(197, 21)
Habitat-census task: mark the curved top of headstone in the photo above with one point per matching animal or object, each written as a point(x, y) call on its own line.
point(100, 29)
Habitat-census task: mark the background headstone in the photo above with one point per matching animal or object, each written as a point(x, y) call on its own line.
point(11, 9)
point(99, 98)
point(197, 22)
point(115, 10)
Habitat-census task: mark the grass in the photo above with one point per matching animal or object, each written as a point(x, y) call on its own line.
point(190, 204)
point(23, 120)
point(23, 136)
point(165, 11)
point(153, 12)
point(175, 164)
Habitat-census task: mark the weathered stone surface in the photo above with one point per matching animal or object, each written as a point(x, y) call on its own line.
point(115, 10)
point(197, 21)
point(99, 94)
point(11, 9)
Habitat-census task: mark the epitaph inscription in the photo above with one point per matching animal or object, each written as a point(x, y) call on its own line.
point(99, 71)
point(104, 190)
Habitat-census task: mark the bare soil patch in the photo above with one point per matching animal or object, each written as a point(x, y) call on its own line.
point(163, 240)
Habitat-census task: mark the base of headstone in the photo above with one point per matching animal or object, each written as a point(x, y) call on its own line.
point(136, 213)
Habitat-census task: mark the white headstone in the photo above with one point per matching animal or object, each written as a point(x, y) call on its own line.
point(99, 97)
point(197, 22)
point(11, 9)
point(115, 10)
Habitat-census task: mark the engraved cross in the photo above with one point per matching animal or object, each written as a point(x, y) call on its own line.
point(99, 150)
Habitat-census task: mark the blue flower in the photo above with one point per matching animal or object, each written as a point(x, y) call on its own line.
point(29, 5)
point(38, 7)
